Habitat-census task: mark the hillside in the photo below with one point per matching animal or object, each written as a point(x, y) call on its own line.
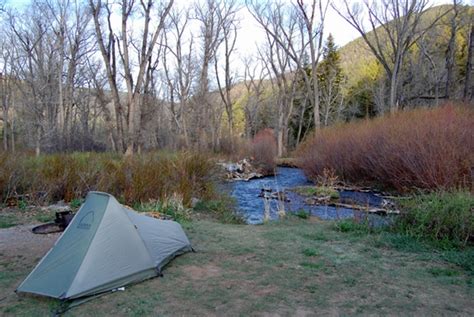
point(359, 63)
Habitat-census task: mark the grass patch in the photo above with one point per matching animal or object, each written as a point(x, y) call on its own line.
point(258, 270)
point(311, 265)
point(436, 271)
point(222, 208)
point(310, 252)
point(446, 217)
point(316, 236)
point(302, 214)
point(45, 217)
point(7, 221)
point(350, 225)
point(321, 191)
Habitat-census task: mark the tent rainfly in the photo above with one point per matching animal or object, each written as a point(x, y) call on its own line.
point(106, 246)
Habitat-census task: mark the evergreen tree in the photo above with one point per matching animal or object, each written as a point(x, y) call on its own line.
point(330, 78)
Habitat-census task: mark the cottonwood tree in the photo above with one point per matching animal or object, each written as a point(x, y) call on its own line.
point(254, 85)
point(36, 70)
point(468, 93)
point(389, 28)
point(281, 73)
point(6, 94)
point(117, 47)
point(179, 69)
point(451, 51)
point(229, 38)
point(214, 18)
point(306, 41)
point(313, 16)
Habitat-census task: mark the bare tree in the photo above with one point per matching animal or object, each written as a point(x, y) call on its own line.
point(213, 16)
point(229, 34)
point(6, 92)
point(36, 69)
point(293, 33)
point(451, 50)
point(394, 26)
point(179, 68)
point(254, 84)
point(468, 94)
point(122, 44)
point(313, 17)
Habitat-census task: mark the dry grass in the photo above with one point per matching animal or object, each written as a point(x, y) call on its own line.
point(133, 180)
point(424, 149)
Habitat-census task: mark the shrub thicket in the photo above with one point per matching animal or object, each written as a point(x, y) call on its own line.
point(264, 150)
point(423, 148)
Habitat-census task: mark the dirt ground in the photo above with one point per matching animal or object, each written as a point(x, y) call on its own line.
point(291, 268)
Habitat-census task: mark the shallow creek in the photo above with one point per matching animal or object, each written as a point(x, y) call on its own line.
point(251, 206)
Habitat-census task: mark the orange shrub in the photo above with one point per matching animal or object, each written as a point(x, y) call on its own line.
point(264, 150)
point(423, 148)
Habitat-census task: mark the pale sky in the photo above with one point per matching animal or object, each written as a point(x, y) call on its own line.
point(251, 33)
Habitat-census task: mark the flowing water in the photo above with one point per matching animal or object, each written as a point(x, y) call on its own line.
point(251, 206)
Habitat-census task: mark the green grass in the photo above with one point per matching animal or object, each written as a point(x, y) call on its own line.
point(286, 268)
point(310, 252)
point(445, 217)
point(45, 217)
point(221, 208)
point(7, 221)
point(303, 214)
point(319, 191)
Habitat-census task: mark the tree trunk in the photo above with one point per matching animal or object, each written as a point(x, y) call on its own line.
point(467, 95)
point(12, 135)
point(393, 90)
point(5, 128)
point(38, 141)
point(450, 66)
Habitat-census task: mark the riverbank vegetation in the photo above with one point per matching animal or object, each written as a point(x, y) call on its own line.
point(49, 178)
point(423, 149)
point(427, 154)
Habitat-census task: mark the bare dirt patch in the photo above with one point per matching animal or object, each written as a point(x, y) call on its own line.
point(204, 272)
point(20, 241)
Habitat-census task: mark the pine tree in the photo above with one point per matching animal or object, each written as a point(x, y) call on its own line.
point(330, 81)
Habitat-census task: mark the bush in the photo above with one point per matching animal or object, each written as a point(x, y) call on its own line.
point(442, 216)
point(423, 148)
point(264, 151)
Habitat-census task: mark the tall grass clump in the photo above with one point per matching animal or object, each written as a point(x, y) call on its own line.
point(424, 149)
point(137, 179)
point(441, 216)
point(264, 151)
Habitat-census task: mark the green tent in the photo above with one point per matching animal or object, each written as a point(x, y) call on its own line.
point(106, 246)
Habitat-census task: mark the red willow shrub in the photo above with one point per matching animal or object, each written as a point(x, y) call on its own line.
point(422, 148)
point(264, 150)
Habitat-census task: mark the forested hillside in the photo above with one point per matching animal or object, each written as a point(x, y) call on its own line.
point(425, 81)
